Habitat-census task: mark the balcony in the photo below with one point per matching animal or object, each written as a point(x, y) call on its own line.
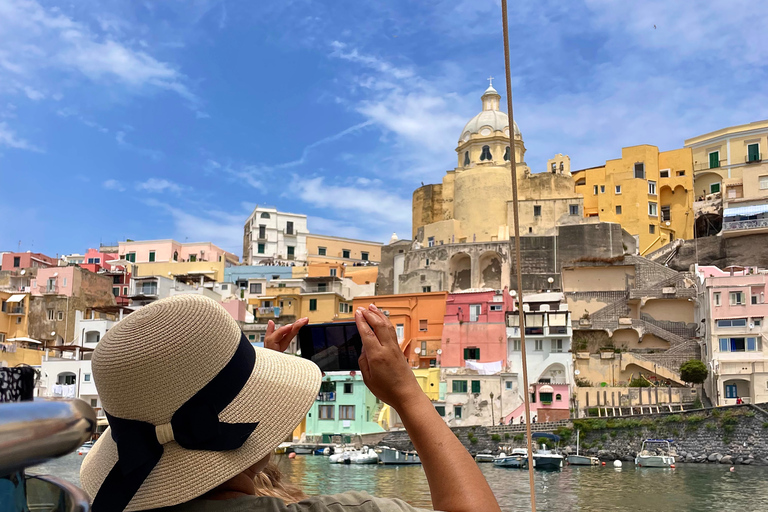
point(703, 166)
point(739, 225)
point(51, 289)
point(290, 232)
point(753, 158)
point(16, 310)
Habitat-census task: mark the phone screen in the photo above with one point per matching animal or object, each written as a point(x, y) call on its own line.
point(333, 346)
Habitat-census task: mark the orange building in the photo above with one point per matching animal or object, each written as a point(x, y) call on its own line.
point(418, 319)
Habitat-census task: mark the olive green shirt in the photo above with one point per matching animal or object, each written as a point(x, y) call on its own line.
point(345, 502)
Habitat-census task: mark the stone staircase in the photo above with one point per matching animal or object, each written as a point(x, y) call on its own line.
point(652, 366)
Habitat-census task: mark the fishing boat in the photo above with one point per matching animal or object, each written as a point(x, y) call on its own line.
point(582, 460)
point(517, 459)
point(649, 456)
point(389, 455)
point(484, 457)
point(304, 449)
point(544, 458)
point(364, 456)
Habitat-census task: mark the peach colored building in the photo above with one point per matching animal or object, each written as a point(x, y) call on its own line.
point(148, 251)
point(418, 319)
point(474, 327)
point(733, 315)
point(19, 260)
point(54, 281)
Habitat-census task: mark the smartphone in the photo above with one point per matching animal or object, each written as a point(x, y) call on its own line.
point(333, 347)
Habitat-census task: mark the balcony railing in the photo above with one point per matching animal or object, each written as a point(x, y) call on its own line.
point(17, 310)
point(745, 224)
point(51, 289)
point(703, 166)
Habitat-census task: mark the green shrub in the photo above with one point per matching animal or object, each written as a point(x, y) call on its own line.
point(604, 437)
point(694, 371)
point(749, 414)
point(672, 418)
point(473, 440)
point(765, 424)
point(639, 383)
point(495, 437)
point(716, 413)
point(695, 418)
point(675, 432)
point(565, 433)
point(506, 435)
point(614, 433)
point(519, 437)
point(711, 426)
point(697, 403)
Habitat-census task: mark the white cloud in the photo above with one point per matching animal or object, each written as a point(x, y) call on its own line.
point(223, 229)
point(157, 186)
point(71, 112)
point(113, 185)
point(370, 204)
point(9, 138)
point(151, 153)
point(37, 39)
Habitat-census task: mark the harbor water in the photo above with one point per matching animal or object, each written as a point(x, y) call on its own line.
point(688, 488)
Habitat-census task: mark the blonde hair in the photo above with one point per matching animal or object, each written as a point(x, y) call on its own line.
point(269, 483)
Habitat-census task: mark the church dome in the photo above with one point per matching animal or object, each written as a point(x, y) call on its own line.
point(491, 118)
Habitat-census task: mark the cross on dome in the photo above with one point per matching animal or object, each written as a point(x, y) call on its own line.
point(490, 81)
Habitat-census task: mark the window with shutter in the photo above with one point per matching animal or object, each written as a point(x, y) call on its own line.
point(475, 386)
point(714, 160)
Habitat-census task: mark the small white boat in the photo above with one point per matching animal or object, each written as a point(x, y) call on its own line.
point(545, 458)
point(389, 455)
point(283, 448)
point(304, 449)
point(343, 456)
point(651, 459)
point(364, 456)
point(85, 448)
point(582, 460)
point(517, 459)
point(484, 457)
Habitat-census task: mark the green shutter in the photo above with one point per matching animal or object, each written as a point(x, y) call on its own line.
point(440, 410)
point(714, 160)
point(152, 256)
point(313, 304)
point(475, 386)
point(466, 353)
point(753, 155)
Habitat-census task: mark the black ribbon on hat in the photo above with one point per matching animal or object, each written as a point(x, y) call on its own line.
point(195, 426)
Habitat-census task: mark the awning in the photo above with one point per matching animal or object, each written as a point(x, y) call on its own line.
point(546, 388)
point(745, 210)
point(16, 298)
point(26, 339)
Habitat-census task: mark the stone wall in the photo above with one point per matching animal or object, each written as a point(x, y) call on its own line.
point(718, 251)
point(725, 435)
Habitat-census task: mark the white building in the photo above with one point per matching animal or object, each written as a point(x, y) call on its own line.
point(147, 289)
point(548, 335)
point(271, 237)
point(66, 371)
point(472, 398)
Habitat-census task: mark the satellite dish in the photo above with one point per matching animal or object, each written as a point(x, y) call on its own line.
point(417, 350)
point(23, 271)
point(668, 223)
point(53, 333)
point(55, 274)
point(439, 351)
point(577, 372)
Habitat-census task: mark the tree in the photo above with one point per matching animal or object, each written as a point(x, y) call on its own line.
point(693, 371)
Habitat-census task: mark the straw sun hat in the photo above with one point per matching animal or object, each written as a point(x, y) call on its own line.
point(180, 372)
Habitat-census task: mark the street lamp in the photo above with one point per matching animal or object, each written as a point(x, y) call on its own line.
point(493, 418)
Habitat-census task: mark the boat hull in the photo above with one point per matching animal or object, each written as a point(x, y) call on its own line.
point(511, 462)
point(548, 463)
point(654, 461)
point(583, 460)
point(303, 450)
point(484, 457)
point(392, 456)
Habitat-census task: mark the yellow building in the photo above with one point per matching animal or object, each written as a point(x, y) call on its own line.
point(333, 249)
point(648, 192)
point(429, 380)
point(319, 299)
point(191, 271)
point(731, 172)
point(473, 202)
point(361, 275)
point(16, 346)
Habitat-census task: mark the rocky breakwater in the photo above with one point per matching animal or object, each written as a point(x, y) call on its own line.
point(725, 435)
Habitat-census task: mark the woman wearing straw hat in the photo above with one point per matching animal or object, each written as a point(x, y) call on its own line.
point(195, 411)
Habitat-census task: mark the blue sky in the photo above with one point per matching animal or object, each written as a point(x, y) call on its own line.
point(173, 119)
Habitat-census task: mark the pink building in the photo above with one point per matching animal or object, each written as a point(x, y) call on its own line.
point(19, 260)
point(95, 260)
point(54, 281)
point(236, 308)
point(474, 327)
point(733, 315)
point(148, 251)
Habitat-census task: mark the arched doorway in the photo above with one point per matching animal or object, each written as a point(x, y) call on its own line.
point(460, 270)
point(490, 270)
point(66, 378)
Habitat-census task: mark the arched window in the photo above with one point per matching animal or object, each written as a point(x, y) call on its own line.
point(558, 397)
point(486, 154)
point(506, 155)
point(466, 158)
point(265, 215)
point(581, 181)
point(175, 255)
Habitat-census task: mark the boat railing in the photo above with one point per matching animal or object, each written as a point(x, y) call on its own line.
point(34, 432)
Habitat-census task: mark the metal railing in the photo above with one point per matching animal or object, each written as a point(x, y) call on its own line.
point(34, 432)
point(51, 289)
point(745, 224)
point(18, 310)
point(703, 166)
point(753, 158)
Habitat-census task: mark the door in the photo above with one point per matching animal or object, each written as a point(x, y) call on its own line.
point(730, 391)
point(714, 160)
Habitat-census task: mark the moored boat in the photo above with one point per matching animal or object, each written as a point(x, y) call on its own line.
point(364, 456)
point(389, 455)
point(304, 449)
point(650, 458)
point(517, 459)
point(484, 457)
point(582, 460)
point(544, 458)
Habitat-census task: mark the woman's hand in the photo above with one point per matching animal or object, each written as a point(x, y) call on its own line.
point(280, 339)
point(385, 369)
